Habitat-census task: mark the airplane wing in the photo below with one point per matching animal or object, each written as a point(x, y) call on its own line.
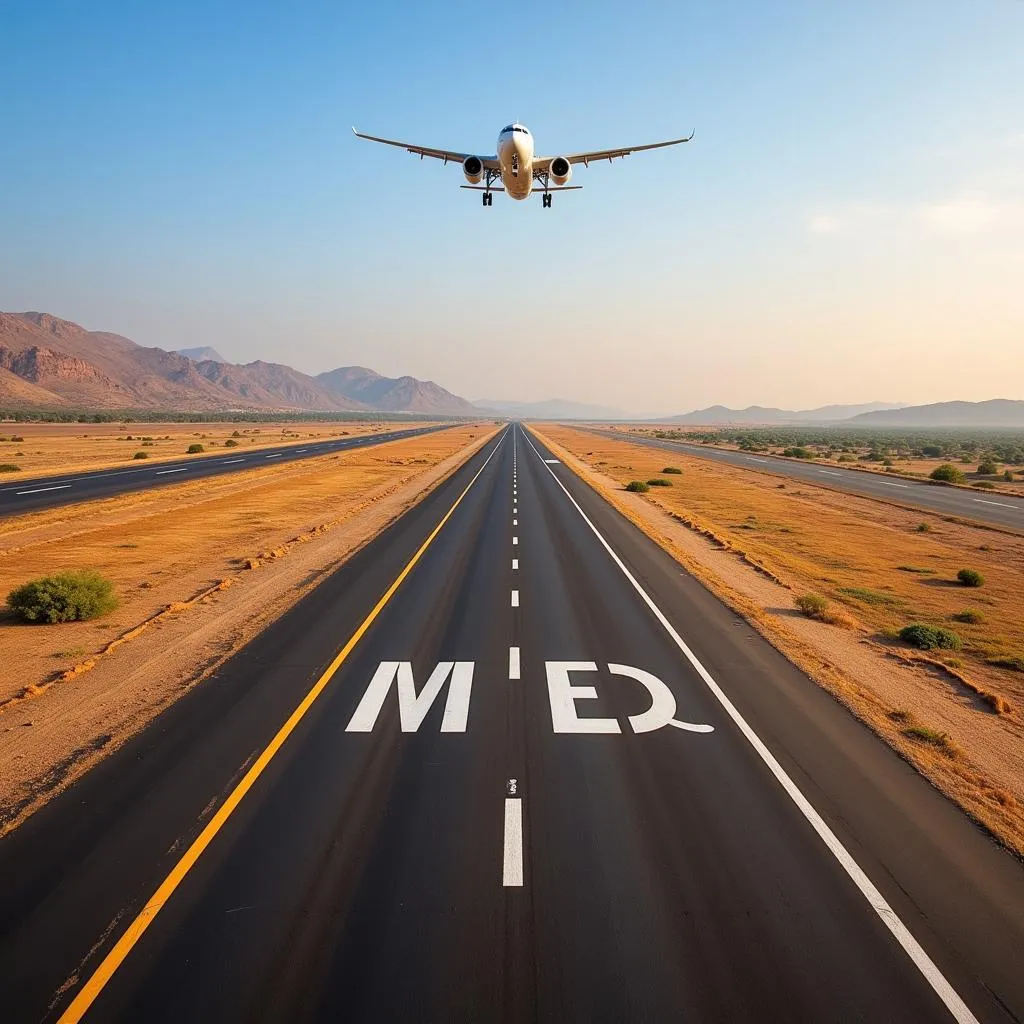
point(447, 155)
point(541, 163)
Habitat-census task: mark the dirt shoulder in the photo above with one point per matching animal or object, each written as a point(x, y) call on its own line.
point(757, 546)
point(200, 569)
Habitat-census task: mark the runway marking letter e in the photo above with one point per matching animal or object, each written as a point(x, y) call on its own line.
point(413, 706)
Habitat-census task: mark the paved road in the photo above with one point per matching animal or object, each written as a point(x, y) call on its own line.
point(53, 491)
point(998, 509)
point(507, 789)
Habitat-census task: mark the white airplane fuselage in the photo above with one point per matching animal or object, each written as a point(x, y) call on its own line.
point(515, 155)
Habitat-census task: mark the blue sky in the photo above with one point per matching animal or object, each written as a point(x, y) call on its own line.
point(847, 225)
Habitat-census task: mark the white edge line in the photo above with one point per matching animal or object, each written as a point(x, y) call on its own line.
point(512, 868)
point(943, 989)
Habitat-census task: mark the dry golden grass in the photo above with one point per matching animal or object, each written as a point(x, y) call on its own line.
point(162, 548)
point(45, 449)
point(812, 540)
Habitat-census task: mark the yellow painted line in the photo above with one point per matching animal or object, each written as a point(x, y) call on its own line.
point(105, 971)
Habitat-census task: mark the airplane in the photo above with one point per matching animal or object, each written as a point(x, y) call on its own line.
point(516, 166)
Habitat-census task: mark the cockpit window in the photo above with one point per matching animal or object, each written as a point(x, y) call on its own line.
point(507, 128)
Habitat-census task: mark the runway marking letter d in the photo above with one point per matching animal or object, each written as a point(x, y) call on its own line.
point(413, 706)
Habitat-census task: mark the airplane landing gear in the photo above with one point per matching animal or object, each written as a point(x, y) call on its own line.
point(546, 200)
point(488, 199)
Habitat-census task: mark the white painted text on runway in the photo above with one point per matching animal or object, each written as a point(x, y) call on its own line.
point(413, 706)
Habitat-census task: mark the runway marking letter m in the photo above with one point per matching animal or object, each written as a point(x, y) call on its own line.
point(413, 706)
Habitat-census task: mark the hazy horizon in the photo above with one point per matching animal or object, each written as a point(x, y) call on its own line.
point(847, 226)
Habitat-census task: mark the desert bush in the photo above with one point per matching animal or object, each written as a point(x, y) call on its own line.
point(638, 486)
point(1008, 476)
point(9, 467)
point(970, 577)
point(658, 482)
point(799, 453)
point(230, 443)
point(672, 470)
point(988, 468)
point(985, 485)
point(931, 736)
point(947, 473)
point(17, 437)
point(63, 597)
point(969, 615)
point(924, 527)
point(814, 606)
point(195, 449)
point(929, 638)
point(872, 597)
point(141, 455)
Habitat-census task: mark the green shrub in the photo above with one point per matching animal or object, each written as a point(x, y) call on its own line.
point(1008, 476)
point(230, 443)
point(195, 449)
point(814, 606)
point(970, 577)
point(64, 597)
point(985, 485)
point(672, 470)
point(969, 615)
point(872, 597)
point(947, 473)
point(928, 638)
point(9, 467)
point(638, 486)
point(924, 527)
point(141, 455)
point(988, 468)
point(799, 453)
point(658, 482)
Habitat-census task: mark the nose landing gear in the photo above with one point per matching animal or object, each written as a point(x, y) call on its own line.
point(546, 200)
point(488, 199)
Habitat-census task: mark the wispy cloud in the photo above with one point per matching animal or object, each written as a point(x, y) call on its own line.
point(967, 213)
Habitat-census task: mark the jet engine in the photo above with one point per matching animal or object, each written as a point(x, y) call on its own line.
point(473, 169)
point(560, 170)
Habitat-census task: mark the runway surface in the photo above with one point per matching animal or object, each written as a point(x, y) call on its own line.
point(508, 763)
point(996, 508)
point(53, 491)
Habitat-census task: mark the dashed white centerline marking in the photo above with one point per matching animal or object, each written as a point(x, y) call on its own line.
point(275, 455)
point(829, 472)
point(929, 971)
point(515, 540)
point(161, 472)
point(515, 522)
point(886, 483)
point(227, 462)
point(512, 868)
point(515, 598)
point(515, 563)
point(39, 490)
point(513, 663)
point(1001, 504)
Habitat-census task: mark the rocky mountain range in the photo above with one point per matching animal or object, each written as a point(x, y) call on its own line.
point(49, 363)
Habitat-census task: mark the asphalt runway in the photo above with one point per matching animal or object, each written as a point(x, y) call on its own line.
point(53, 491)
point(509, 763)
point(997, 509)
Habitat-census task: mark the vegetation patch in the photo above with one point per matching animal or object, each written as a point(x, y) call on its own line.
point(929, 638)
point(658, 482)
point(9, 467)
point(1012, 662)
point(141, 455)
point(814, 606)
point(933, 737)
point(638, 486)
point(970, 577)
point(969, 615)
point(75, 595)
point(919, 569)
point(195, 449)
point(947, 473)
point(872, 597)
point(672, 470)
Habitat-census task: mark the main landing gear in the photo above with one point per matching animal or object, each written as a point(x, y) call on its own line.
point(546, 200)
point(488, 198)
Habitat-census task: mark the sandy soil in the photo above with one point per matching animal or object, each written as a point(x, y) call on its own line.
point(47, 449)
point(191, 563)
point(980, 764)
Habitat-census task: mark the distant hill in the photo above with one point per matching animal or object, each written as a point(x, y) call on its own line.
point(552, 409)
point(201, 353)
point(720, 414)
point(46, 362)
point(997, 412)
point(394, 394)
